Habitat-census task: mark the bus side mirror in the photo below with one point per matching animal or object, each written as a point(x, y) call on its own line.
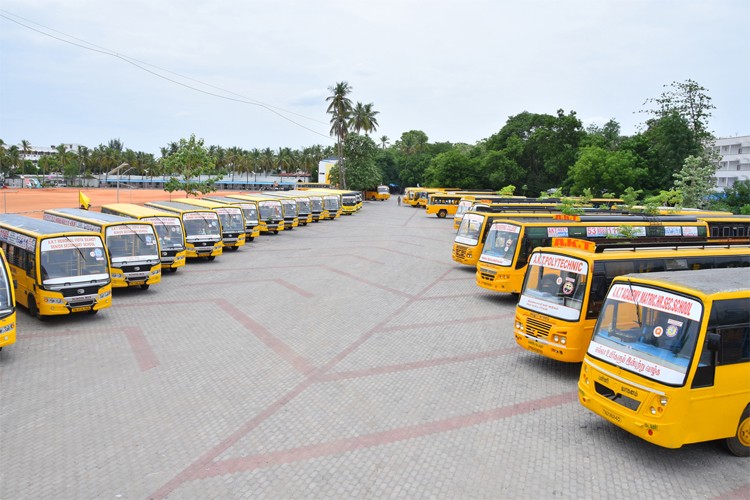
point(713, 342)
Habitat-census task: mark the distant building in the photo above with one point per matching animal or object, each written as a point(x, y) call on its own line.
point(36, 152)
point(324, 169)
point(734, 164)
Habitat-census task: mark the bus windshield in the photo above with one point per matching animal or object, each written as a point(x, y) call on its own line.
point(202, 224)
point(500, 247)
point(647, 331)
point(169, 232)
point(304, 205)
point(231, 219)
point(65, 258)
point(131, 240)
point(469, 231)
point(6, 297)
point(555, 286)
point(269, 209)
point(250, 212)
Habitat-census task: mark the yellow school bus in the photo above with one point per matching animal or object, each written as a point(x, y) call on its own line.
point(566, 284)
point(302, 201)
point(669, 360)
point(380, 193)
point(502, 263)
point(231, 218)
point(270, 211)
point(132, 245)
point(315, 200)
point(7, 303)
point(202, 228)
point(57, 269)
point(472, 233)
point(249, 212)
point(726, 226)
point(351, 201)
point(168, 228)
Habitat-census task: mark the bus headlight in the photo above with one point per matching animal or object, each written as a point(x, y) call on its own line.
point(104, 295)
point(7, 328)
point(155, 272)
point(663, 400)
point(563, 340)
point(118, 276)
point(653, 410)
point(519, 325)
point(52, 300)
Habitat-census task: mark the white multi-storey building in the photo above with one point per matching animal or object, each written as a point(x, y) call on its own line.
point(735, 160)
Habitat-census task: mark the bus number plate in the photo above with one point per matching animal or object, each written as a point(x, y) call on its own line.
point(80, 309)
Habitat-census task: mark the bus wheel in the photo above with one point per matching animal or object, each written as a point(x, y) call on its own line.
point(172, 269)
point(739, 444)
point(250, 238)
point(33, 309)
point(92, 312)
point(275, 232)
point(211, 257)
point(442, 213)
point(144, 286)
point(234, 249)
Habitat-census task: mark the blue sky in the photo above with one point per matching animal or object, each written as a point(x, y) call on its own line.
point(455, 70)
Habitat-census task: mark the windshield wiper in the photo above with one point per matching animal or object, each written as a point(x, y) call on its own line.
point(637, 305)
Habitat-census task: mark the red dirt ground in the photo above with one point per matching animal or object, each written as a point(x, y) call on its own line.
point(32, 202)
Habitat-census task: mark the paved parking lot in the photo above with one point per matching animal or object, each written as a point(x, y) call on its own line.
point(347, 359)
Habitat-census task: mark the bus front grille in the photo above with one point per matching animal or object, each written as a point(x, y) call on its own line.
point(621, 399)
point(487, 274)
point(538, 329)
point(460, 253)
point(83, 290)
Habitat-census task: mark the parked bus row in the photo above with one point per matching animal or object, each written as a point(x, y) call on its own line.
point(69, 261)
point(666, 354)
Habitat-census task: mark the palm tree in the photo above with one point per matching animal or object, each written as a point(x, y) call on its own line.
point(363, 118)
point(384, 140)
point(340, 109)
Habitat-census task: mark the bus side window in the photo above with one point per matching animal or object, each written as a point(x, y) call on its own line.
point(597, 294)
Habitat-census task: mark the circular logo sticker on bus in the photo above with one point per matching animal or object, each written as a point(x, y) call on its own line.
point(558, 281)
point(671, 331)
point(658, 331)
point(568, 288)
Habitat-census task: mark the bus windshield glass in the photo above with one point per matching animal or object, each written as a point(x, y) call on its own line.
point(5, 293)
point(250, 212)
point(647, 331)
point(269, 209)
point(469, 231)
point(555, 286)
point(71, 259)
point(126, 241)
point(201, 224)
point(169, 232)
point(231, 219)
point(500, 247)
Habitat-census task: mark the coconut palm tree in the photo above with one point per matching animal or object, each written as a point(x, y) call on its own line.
point(340, 109)
point(363, 119)
point(384, 140)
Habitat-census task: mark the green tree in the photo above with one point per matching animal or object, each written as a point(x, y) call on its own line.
point(737, 197)
point(691, 102)
point(190, 161)
point(340, 109)
point(452, 168)
point(360, 152)
point(601, 171)
point(363, 118)
point(696, 181)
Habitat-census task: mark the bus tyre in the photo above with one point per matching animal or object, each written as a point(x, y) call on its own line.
point(739, 444)
point(172, 269)
point(276, 232)
point(33, 309)
point(442, 213)
point(92, 312)
point(234, 249)
point(144, 286)
point(211, 257)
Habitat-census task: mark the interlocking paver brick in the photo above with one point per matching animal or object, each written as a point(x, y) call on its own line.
point(347, 359)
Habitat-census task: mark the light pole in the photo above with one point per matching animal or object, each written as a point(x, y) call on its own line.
point(120, 174)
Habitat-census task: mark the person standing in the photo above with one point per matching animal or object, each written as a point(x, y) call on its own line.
point(399, 200)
